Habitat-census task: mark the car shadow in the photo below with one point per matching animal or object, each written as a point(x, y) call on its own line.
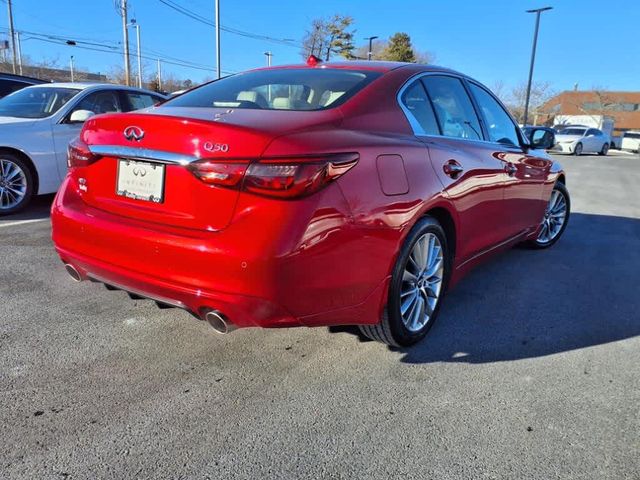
point(582, 292)
point(39, 208)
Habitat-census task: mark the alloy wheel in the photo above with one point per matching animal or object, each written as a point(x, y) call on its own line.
point(13, 184)
point(554, 218)
point(421, 282)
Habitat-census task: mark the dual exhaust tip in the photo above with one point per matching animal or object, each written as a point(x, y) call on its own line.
point(219, 322)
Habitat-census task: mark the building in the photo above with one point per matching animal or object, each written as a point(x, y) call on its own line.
point(623, 107)
point(54, 74)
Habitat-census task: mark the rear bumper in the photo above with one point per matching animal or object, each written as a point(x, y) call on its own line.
point(263, 278)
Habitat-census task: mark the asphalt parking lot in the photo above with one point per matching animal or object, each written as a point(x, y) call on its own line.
point(531, 372)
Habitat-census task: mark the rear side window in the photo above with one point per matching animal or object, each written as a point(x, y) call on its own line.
point(139, 100)
point(418, 107)
point(279, 89)
point(593, 131)
point(499, 125)
point(453, 107)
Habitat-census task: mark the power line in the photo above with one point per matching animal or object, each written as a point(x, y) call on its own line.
point(199, 18)
point(105, 48)
point(59, 40)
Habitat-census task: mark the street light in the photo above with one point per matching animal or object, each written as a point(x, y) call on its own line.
point(71, 68)
point(268, 55)
point(370, 52)
point(137, 27)
point(537, 11)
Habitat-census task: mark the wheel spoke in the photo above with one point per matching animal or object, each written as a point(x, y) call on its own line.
point(409, 277)
point(409, 302)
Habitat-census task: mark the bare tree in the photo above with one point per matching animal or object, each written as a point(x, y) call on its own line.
point(540, 93)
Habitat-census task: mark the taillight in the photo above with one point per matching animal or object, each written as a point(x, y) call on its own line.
point(79, 155)
point(220, 174)
point(283, 177)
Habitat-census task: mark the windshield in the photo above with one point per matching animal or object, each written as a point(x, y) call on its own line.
point(572, 131)
point(36, 102)
point(281, 89)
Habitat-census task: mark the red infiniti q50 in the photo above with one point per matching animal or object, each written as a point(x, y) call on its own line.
point(323, 194)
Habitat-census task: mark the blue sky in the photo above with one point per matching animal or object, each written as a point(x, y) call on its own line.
point(585, 41)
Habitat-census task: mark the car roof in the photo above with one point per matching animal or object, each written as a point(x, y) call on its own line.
point(21, 78)
point(93, 85)
point(373, 65)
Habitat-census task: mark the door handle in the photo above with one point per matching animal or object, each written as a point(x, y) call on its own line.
point(511, 169)
point(452, 168)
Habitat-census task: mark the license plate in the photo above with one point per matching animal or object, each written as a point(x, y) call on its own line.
point(140, 180)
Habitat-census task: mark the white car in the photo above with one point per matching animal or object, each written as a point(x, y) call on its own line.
point(631, 141)
point(578, 140)
point(36, 125)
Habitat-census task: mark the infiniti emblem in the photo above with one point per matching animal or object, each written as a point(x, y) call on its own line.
point(139, 171)
point(133, 133)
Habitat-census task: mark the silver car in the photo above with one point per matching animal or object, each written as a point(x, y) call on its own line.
point(36, 125)
point(578, 140)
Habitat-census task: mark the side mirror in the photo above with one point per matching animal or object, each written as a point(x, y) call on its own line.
point(541, 138)
point(80, 116)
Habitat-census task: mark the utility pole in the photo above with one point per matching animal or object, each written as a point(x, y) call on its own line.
point(268, 55)
point(12, 35)
point(218, 38)
point(159, 76)
point(125, 33)
point(19, 52)
point(71, 68)
point(537, 11)
point(370, 52)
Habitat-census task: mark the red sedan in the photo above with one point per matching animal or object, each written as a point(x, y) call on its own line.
point(325, 194)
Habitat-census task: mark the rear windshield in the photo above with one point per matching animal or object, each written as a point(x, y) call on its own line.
point(281, 89)
point(631, 135)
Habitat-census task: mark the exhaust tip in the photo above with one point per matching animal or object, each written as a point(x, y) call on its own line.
point(219, 322)
point(73, 273)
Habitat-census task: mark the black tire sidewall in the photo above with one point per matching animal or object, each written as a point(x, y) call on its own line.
point(27, 173)
point(402, 335)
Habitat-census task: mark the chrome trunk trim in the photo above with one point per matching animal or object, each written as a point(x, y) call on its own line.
point(137, 153)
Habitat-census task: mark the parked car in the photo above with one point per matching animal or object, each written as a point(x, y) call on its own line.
point(578, 140)
point(539, 132)
point(10, 83)
point(36, 125)
point(631, 141)
point(356, 193)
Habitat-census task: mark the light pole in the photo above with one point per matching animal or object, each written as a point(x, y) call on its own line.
point(137, 27)
point(19, 47)
point(218, 38)
point(537, 11)
point(268, 55)
point(370, 52)
point(71, 68)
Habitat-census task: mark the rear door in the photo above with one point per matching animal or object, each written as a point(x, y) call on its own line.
point(525, 169)
point(443, 117)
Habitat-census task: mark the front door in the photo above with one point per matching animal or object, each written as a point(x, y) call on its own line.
point(526, 170)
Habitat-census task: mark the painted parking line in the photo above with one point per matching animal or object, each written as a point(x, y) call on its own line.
point(23, 222)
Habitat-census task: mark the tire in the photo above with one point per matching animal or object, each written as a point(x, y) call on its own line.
point(544, 241)
point(578, 150)
point(394, 329)
point(604, 150)
point(16, 184)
